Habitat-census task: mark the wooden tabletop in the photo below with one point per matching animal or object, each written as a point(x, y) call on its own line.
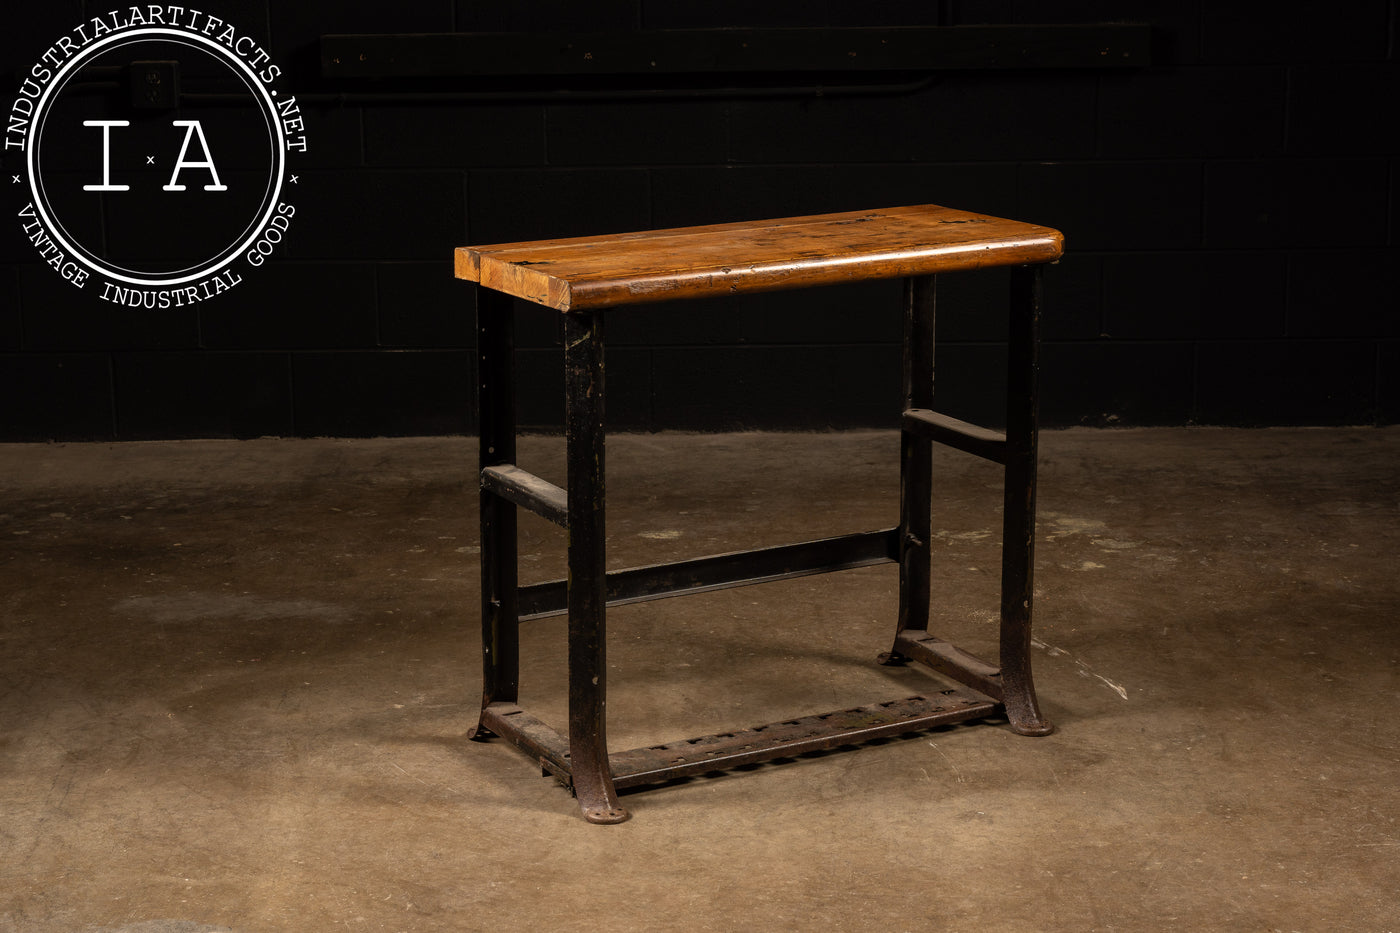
point(762, 255)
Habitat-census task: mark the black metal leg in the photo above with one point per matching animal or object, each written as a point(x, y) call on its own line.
point(500, 642)
point(1018, 528)
point(590, 768)
point(916, 463)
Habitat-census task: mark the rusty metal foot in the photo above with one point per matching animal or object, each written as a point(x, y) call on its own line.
point(1025, 716)
point(599, 804)
point(606, 814)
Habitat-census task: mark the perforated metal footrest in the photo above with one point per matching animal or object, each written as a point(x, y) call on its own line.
point(791, 737)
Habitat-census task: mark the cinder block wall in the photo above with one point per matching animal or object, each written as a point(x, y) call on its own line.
point(1231, 214)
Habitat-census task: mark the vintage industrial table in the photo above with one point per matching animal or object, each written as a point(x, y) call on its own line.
point(583, 279)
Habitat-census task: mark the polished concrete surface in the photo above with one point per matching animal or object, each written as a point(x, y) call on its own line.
point(235, 679)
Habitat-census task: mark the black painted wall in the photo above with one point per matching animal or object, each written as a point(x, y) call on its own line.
point(1230, 211)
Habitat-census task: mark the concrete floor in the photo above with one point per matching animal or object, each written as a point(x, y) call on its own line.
point(235, 679)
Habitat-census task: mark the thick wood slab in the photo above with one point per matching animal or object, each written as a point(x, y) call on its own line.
point(765, 255)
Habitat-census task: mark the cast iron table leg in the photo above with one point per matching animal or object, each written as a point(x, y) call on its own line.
point(916, 459)
point(1018, 515)
point(587, 587)
point(500, 642)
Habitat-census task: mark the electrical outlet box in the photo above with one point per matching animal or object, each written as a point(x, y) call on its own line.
point(154, 85)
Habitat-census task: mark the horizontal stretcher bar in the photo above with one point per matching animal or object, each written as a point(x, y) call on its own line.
point(534, 737)
point(722, 571)
point(949, 431)
point(950, 661)
point(527, 491)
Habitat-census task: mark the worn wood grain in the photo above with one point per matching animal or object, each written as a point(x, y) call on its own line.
point(767, 255)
